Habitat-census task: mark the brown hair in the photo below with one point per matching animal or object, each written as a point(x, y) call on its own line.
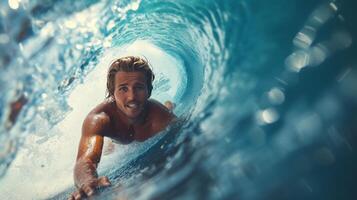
point(129, 64)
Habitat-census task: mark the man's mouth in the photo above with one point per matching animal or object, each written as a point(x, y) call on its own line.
point(133, 105)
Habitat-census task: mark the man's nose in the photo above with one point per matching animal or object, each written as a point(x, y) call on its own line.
point(131, 94)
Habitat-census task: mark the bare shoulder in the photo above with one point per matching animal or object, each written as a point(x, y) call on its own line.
point(97, 120)
point(154, 104)
point(159, 111)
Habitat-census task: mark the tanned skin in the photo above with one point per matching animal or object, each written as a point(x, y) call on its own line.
point(128, 116)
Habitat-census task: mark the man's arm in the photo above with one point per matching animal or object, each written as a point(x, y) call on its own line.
point(89, 152)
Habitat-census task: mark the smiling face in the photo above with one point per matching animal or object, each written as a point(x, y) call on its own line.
point(131, 93)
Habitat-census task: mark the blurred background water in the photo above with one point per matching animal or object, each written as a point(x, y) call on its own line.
point(266, 90)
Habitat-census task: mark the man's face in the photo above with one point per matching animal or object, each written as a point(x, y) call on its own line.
point(130, 93)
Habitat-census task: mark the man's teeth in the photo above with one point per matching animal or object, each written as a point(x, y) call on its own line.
point(132, 105)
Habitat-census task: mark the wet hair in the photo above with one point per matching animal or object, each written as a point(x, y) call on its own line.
point(129, 64)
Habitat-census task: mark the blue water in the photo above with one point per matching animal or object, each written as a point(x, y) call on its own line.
point(268, 98)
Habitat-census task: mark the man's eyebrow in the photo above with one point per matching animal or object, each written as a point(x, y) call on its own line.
point(126, 84)
point(123, 84)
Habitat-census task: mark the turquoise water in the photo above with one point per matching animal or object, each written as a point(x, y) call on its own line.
point(266, 90)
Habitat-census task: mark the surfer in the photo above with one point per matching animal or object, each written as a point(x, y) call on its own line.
point(126, 115)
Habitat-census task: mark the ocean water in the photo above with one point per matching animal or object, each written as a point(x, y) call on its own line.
point(266, 91)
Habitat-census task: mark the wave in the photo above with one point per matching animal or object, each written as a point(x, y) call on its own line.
point(264, 89)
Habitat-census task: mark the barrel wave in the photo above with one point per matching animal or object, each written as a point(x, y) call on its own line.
point(265, 92)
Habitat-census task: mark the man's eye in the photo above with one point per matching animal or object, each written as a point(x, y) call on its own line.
point(139, 87)
point(123, 89)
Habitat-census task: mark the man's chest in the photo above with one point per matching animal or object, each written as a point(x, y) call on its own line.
point(129, 133)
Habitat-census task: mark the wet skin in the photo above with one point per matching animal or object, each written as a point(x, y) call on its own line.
point(129, 116)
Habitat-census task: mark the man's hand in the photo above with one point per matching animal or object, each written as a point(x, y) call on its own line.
point(88, 188)
point(169, 105)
